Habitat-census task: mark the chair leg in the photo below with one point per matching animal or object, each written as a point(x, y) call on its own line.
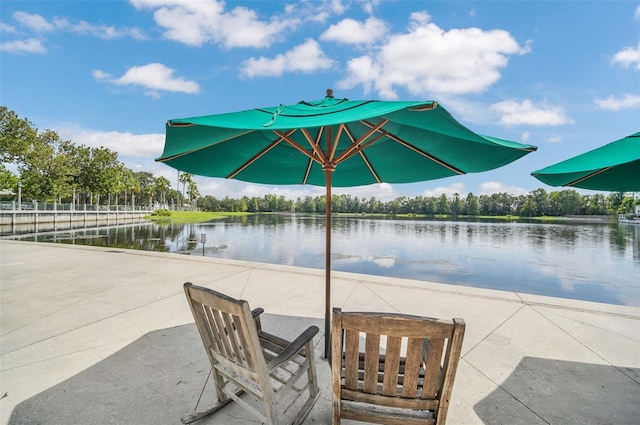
point(196, 416)
point(311, 372)
point(314, 391)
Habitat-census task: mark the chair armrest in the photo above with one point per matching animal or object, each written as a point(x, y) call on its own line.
point(255, 313)
point(293, 348)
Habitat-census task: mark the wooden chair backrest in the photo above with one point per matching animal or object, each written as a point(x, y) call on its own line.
point(394, 360)
point(229, 333)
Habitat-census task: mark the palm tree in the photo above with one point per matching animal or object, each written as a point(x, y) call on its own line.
point(162, 185)
point(185, 179)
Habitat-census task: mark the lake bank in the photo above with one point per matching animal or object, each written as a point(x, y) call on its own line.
point(578, 260)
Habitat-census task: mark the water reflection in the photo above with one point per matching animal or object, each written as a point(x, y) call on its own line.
point(588, 261)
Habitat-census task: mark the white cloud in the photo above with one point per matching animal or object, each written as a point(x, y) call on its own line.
point(350, 31)
point(448, 191)
point(306, 58)
point(527, 113)
point(154, 76)
point(429, 60)
point(628, 56)
point(636, 15)
point(23, 46)
point(198, 22)
point(314, 11)
point(526, 136)
point(489, 188)
point(381, 191)
point(34, 22)
point(337, 7)
point(369, 6)
point(105, 32)
point(553, 139)
point(7, 28)
point(126, 144)
point(627, 101)
point(39, 24)
point(100, 75)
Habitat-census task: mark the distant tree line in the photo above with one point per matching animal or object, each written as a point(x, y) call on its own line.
point(534, 204)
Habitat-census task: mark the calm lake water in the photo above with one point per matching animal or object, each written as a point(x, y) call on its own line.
point(580, 260)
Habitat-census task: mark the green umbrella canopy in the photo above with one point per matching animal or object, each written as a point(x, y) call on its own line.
point(334, 142)
point(612, 167)
point(369, 142)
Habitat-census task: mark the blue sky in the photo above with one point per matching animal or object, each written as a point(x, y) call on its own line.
point(564, 76)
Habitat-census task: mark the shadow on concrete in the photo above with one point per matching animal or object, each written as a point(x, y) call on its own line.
point(156, 379)
point(548, 391)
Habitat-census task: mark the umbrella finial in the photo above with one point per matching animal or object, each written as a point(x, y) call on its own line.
point(330, 93)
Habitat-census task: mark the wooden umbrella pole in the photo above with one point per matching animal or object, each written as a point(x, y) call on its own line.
point(327, 266)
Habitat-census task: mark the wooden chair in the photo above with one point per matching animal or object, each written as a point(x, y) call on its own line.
point(245, 359)
point(393, 368)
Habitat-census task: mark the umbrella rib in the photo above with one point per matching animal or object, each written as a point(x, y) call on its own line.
point(334, 144)
point(257, 156)
point(360, 145)
point(360, 149)
point(295, 144)
point(416, 149)
point(314, 145)
point(588, 176)
point(373, 171)
point(356, 144)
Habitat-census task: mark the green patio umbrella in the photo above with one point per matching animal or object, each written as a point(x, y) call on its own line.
point(613, 167)
point(333, 142)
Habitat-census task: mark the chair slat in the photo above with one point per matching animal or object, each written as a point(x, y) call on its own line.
point(231, 337)
point(433, 368)
point(351, 343)
point(243, 341)
point(208, 337)
point(371, 362)
point(215, 318)
point(391, 366)
point(412, 367)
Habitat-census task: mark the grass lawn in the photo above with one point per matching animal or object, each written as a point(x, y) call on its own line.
point(193, 216)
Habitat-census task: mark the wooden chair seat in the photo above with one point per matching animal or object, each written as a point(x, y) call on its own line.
point(247, 360)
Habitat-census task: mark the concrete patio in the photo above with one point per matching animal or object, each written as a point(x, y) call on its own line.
point(105, 336)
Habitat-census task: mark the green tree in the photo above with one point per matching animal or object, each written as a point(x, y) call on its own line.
point(566, 202)
point(244, 204)
point(98, 173)
point(8, 180)
point(161, 187)
point(595, 204)
point(443, 205)
point(456, 205)
point(146, 184)
point(528, 207)
point(193, 192)
point(541, 199)
point(627, 205)
point(430, 205)
point(46, 172)
point(16, 136)
point(186, 179)
point(614, 200)
point(471, 205)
